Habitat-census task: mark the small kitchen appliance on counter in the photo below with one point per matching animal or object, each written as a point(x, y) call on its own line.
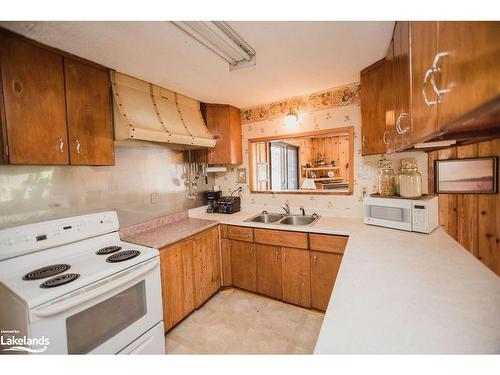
point(213, 200)
point(60, 279)
point(229, 205)
point(414, 215)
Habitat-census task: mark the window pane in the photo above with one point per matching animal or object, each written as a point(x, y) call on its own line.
point(292, 166)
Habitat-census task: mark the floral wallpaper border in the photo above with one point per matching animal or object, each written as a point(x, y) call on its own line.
point(334, 97)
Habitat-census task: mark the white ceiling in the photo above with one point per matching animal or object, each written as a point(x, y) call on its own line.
point(293, 58)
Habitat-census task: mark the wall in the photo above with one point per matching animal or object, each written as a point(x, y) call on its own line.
point(33, 193)
point(334, 114)
point(471, 219)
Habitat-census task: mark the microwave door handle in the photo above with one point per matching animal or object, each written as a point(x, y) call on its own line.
point(110, 285)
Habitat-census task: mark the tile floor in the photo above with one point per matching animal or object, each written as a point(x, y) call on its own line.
point(235, 322)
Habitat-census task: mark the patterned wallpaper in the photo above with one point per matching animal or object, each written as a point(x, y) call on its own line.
point(333, 97)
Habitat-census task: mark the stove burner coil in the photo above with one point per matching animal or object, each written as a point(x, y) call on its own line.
point(46, 271)
point(108, 250)
point(60, 280)
point(122, 255)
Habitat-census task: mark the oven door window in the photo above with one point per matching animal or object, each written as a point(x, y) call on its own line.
point(90, 328)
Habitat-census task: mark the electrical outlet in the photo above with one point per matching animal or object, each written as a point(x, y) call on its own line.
point(153, 198)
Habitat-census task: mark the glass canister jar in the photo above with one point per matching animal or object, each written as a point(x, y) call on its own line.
point(386, 179)
point(409, 179)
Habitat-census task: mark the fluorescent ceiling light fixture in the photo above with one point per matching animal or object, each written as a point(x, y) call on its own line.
point(219, 38)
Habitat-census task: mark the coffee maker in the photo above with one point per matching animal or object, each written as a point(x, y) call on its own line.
point(213, 200)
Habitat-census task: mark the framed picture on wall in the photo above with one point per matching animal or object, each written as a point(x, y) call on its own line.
point(466, 176)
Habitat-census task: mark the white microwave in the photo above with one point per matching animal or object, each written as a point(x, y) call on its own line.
point(415, 215)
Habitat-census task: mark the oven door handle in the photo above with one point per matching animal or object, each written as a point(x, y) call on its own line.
point(88, 294)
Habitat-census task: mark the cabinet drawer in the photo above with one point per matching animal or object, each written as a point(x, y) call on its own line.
point(281, 238)
point(240, 233)
point(328, 243)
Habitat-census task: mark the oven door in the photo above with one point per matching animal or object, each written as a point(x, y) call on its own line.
point(386, 212)
point(104, 317)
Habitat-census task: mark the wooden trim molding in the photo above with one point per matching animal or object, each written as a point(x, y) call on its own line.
point(345, 129)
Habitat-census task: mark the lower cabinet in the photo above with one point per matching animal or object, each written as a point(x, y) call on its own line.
point(324, 269)
point(296, 279)
point(190, 274)
point(225, 250)
point(269, 270)
point(243, 265)
point(177, 279)
point(206, 265)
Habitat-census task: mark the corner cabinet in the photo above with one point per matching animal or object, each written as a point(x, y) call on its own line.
point(55, 109)
point(190, 274)
point(224, 123)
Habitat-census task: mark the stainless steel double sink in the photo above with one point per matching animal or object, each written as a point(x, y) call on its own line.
point(283, 219)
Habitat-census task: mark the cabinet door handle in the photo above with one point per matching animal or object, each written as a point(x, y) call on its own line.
point(61, 144)
point(398, 123)
point(363, 140)
point(284, 257)
point(252, 250)
point(315, 259)
point(384, 138)
point(277, 254)
point(77, 146)
point(437, 69)
point(428, 74)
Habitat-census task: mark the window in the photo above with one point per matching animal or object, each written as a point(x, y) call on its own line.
point(284, 166)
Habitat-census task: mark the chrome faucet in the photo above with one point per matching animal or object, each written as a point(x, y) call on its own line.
point(287, 208)
point(303, 211)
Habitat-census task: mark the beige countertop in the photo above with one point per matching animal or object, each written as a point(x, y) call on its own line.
point(401, 292)
point(165, 230)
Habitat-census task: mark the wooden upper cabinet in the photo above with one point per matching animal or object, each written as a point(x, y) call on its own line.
point(243, 265)
point(401, 91)
point(224, 123)
point(324, 269)
point(469, 69)
point(389, 136)
point(296, 276)
point(90, 126)
point(35, 112)
point(424, 102)
point(269, 270)
point(373, 109)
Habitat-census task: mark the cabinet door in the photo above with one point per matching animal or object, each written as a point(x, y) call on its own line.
point(206, 265)
point(243, 265)
point(176, 262)
point(35, 115)
point(217, 121)
point(224, 123)
point(373, 109)
point(469, 67)
point(389, 136)
point(296, 277)
point(90, 127)
point(424, 105)
point(402, 85)
point(269, 270)
point(226, 262)
point(324, 269)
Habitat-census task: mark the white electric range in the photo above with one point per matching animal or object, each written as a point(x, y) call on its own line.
point(71, 286)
